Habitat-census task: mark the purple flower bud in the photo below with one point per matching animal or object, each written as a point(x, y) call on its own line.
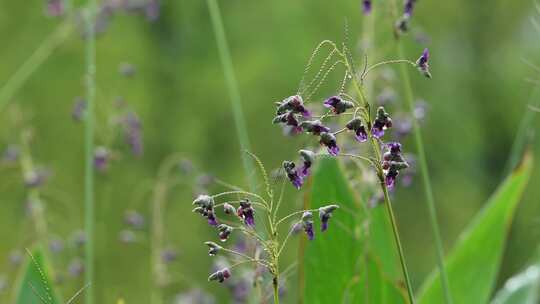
point(127, 236)
point(289, 119)
point(338, 105)
point(133, 133)
point(224, 232)
point(134, 219)
point(366, 6)
point(168, 255)
point(213, 248)
point(126, 69)
point(212, 220)
point(358, 128)
point(152, 10)
point(325, 213)
point(422, 63)
point(101, 158)
point(307, 223)
point(381, 123)
point(246, 212)
point(56, 245)
point(294, 104)
point(220, 275)
point(292, 174)
point(76, 267)
point(55, 8)
point(393, 162)
point(329, 140)
point(308, 157)
point(314, 127)
point(296, 228)
point(229, 209)
point(390, 177)
point(408, 7)
point(78, 238)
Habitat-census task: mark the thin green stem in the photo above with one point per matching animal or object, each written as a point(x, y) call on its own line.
point(157, 236)
point(32, 63)
point(275, 284)
point(89, 151)
point(232, 86)
point(398, 242)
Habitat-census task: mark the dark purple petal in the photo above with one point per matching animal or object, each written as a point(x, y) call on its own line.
point(361, 134)
point(366, 6)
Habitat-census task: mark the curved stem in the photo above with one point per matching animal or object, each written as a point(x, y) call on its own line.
point(364, 74)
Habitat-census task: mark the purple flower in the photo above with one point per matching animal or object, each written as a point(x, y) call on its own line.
point(381, 123)
point(325, 213)
point(205, 207)
point(224, 232)
point(408, 7)
point(152, 10)
point(220, 275)
point(292, 174)
point(134, 219)
point(246, 212)
point(79, 108)
point(393, 162)
point(127, 236)
point(422, 63)
point(101, 158)
point(213, 248)
point(307, 224)
point(289, 119)
point(358, 128)
point(338, 105)
point(314, 127)
point(169, 255)
point(133, 133)
point(294, 104)
point(55, 8)
point(329, 140)
point(308, 157)
point(126, 69)
point(76, 267)
point(366, 6)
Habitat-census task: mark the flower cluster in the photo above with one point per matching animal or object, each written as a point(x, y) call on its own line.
point(402, 25)
point(297, 175)
point(205, 207)
point(393, 162)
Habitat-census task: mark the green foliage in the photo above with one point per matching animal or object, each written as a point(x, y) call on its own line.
point(474, 262)
point(35, 287)
point(339, 259)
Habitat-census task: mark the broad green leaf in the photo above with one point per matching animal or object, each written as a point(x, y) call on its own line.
point(337, 266)
point(34, 285)
point(475, 260)
point(523, 288)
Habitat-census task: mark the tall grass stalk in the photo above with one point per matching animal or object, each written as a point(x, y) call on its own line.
point(422, 163)
point(89, 204)
point(32, 63)
point(232, 86)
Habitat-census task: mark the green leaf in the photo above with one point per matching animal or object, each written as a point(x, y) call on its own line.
point(475, 260)
point(523, 288)
point(34, 286)
point(338, 266)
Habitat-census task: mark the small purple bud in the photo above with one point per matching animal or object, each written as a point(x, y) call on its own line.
point(126, 69)
point(56, 245)
point(408, 8)
point(212, 220)
point(325, 213)
point(168, 255)
point(390, 178)
point(101, 158)
point(78, 238)
point(358, 128)
point(294, 104)
point(246, 212)
point(381, 123)
point(79, 109)
point(152, 10)
point(366, 6)
point(220, 275)
point(292, 174)
point(308, 157)
point(307, 223)
point(127, 236)
point(133, 133)
point(76, 267)
point(55, 8)
point(329, 140)
point(224, 232)
point(134, 219)
point(338, 105)
point(423, 63)
point(213, 248)
point(289, 119)
point(314, 127)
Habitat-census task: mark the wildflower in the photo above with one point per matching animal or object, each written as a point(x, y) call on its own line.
point(393, 162)
point(422, 63)
point(224, 232)
point(56, 245)
point(338, 105)
point(205, 206)
point(213, 248)
point(168, 255)
point(289, 119)
point(296, 228)
point(381, 123)
point(314, 127)
point(358, 128)
point(329, 140)
point(127, 236)
point(152, 10)
point(229, 209)
point(292, 174)
point(78, 238)
point(133, 133)
point(246, 212)
point(325, 213)
point(134, 219)
point(76, 267)
point(294, 104)
point(308, 157)
point(55, 8)
point(307, 224)
point(220, 275)
point(408, 7)
point(366, 5)
point(101, 158)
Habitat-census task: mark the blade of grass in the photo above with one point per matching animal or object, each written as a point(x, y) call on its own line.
point(89, 151)
point(232, 87)
point(32, 63)
point(422, 162)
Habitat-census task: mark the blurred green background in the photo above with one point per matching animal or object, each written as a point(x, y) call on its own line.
point(476, 98)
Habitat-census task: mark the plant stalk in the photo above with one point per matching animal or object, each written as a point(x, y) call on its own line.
point(89, 203)
point(158, 268)
point(275, 284)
